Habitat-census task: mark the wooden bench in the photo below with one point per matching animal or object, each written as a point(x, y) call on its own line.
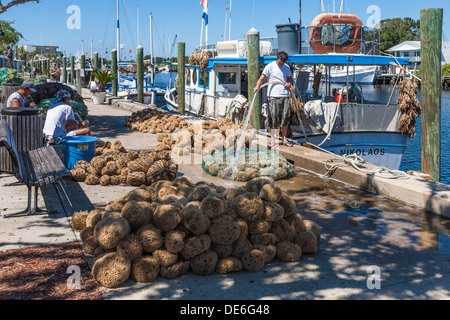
point(34, 168)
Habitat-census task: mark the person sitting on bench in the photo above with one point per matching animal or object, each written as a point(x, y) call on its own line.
point(60, 121)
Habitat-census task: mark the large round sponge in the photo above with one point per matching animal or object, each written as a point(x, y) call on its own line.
point(145, 269)
point(111, 270)
point(110, 231)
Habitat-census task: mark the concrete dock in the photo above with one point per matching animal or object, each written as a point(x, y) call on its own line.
point(387, 231)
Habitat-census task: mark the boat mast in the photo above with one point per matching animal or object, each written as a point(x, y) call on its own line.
point(118, 32)
point(118, 45)
point(229, 32)
point(138, 36)
point(300, 24)
point(151, 50)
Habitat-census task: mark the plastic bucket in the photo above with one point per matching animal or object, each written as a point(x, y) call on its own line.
point(78, 148)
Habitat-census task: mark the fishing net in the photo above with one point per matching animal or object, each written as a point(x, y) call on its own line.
point(40, 79)
point(248, 165)
point(8, 75)
point(79, 108)
point(410, 107)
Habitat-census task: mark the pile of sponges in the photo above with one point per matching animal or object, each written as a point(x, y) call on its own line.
point(170, 228)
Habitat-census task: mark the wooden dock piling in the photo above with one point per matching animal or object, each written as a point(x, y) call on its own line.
point(140, 73)
point(431, 21)
point(72, 69)
point(114, 69)
point(181, 82)
point(254, 73)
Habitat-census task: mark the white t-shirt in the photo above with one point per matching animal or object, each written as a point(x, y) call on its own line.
point(56, 120)
point(15, 95)
point(274, 73)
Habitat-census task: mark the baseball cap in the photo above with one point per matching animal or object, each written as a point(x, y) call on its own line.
point(29, 85)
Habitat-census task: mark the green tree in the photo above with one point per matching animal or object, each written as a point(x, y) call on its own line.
point(398, 30)
point(446, 70)
point(11, 37)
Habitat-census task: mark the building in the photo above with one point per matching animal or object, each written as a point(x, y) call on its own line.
point(412, 50)
point(45, 50)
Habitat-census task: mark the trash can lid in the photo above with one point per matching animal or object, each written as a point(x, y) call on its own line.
point(11, 84)
point(19, 111)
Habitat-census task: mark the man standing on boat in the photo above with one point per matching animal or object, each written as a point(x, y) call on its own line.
point(278, 95)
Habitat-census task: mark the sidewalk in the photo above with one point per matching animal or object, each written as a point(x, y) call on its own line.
point(410, 249)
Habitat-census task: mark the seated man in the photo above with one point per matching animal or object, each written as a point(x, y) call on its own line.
point(60, 121)
point(19, 99)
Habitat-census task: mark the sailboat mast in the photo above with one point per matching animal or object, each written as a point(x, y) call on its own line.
point(138, 36)
point(229, 32)
point(151, 50)
point(118, 32)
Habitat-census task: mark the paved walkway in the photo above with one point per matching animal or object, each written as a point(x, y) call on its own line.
point(361, 234)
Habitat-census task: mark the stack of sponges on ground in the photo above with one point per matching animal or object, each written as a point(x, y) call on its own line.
point(206, 139)
point(154, 121)
point(170, 228)
point(114, 165)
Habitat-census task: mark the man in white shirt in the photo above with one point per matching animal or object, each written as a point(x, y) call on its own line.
point(278, 94)
point(60, 120)
point(19, 99)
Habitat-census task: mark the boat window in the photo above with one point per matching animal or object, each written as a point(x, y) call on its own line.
point(194, 77)
point(227, 77)
point(204, 79)
point(188, 77)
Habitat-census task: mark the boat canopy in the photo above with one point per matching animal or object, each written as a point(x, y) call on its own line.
point(325, 59)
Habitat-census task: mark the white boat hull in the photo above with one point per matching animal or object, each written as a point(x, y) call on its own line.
point(382, 149)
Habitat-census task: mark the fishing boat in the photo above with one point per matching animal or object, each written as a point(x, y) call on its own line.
point(339, 120)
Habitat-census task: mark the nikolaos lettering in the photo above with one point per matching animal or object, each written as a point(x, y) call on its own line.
point(364, 152)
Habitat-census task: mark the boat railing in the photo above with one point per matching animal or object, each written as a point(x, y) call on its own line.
point(338, 35)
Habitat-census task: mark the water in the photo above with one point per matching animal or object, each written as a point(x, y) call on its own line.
point(165, 79)
point(412, 159)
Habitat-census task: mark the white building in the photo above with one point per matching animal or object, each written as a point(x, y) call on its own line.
point(412, 51)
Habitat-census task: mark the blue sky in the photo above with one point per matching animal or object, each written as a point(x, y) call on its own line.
point(46, 23)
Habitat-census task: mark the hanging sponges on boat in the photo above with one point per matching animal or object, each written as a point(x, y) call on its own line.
point(410, 107)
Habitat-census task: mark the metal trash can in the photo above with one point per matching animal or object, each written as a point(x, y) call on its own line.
point(288, 38)
point(27, 125)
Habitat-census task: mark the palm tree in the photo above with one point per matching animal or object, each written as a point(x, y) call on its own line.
point(104, 77)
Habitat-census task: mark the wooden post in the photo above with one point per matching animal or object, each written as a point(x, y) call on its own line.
point(140, 73)
point(64, 71)
point(181, 83)
point(431, 21)
point(254, 74)
point(72, 69)
point(115, 83)
point(95, 62)
point(83, 70)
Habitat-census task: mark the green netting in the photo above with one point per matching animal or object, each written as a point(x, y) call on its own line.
point(79, 108)
point(249, 165)
point(10, 76)
point(40, 79)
